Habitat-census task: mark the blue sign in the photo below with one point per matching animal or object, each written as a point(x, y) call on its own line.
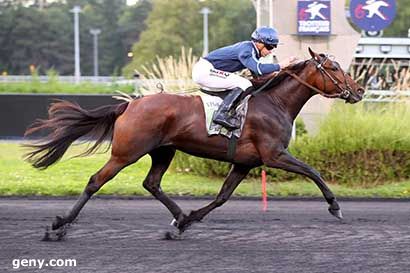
point(372, 15)
point(314, 17)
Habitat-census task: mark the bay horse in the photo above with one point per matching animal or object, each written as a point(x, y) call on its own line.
point(160, 124)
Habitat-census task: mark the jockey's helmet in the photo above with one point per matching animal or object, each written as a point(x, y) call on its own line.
point(266, 35)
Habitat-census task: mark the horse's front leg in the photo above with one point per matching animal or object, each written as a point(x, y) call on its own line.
point(234, 178)
point(287, 162)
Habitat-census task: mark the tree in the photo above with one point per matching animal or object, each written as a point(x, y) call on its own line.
point(131, 24)
point(401, 24)
point(231, 21)
point(40, 33)
point(170, 25)
point(30, 39)
point(178, 23)
point(56, 42)
point(104, 15)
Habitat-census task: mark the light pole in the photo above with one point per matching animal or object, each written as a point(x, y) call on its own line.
point(271, 13)
point(95, 32)
point(205, 11)
point(76, 10)
point(258, 13)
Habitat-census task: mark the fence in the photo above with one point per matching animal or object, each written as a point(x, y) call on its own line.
point(386, 96)
point(20, 110)
point(66, 79)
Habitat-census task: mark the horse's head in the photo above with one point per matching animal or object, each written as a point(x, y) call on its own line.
point(329, 79)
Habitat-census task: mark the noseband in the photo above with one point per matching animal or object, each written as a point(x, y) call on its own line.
point(344, 92)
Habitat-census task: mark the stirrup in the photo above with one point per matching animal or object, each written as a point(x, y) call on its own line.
point(227, 124)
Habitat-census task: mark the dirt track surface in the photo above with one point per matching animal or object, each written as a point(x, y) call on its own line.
point(292, 236)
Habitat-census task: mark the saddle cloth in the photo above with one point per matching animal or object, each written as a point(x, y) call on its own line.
point(211, 104)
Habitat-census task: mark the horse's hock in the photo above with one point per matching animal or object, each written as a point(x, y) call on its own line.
point(341, 43)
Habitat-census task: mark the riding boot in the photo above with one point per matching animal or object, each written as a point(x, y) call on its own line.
point(222, 116)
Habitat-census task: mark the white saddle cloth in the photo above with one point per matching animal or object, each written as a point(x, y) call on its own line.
point(211, 105)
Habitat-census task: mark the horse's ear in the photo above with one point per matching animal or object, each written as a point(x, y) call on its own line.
point(313, 54)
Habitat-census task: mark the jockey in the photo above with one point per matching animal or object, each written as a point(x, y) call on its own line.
point(216, 69)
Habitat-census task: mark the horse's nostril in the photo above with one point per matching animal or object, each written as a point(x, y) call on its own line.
point(360, 91)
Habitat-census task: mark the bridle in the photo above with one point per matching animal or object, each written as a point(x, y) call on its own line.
point(344, 92)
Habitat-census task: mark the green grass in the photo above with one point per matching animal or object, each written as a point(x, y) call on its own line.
point(69, 177)
point(56, 87)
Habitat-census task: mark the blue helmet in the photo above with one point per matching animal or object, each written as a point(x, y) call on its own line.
point(266, 35)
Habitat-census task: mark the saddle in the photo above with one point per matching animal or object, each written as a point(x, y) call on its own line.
point(221, 93)
point(211, 100)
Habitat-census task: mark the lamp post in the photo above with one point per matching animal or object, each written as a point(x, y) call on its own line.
point(76, 10)
point(205, 11)
point(271, 13)
point(95, 32)
point(258, 13)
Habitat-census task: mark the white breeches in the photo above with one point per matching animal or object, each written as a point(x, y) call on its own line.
point(204, 74)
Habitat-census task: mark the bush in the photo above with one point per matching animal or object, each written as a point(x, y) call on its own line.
point(173, 74)
point(366, 144)
point(300, 127)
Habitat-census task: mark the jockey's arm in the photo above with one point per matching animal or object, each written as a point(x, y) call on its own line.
point(250, 61)
point(285, 63)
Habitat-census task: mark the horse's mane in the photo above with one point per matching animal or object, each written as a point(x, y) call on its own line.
point(276, 78)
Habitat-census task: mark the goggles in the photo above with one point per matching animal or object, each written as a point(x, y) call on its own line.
point(270, 47)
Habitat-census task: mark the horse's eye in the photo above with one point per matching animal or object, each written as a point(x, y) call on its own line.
point(335, 68)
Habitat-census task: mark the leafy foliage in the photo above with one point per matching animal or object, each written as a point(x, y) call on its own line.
point(364, 144)
point(401, 24)
point(53, 86)
point(43, 37)
point(178, 23)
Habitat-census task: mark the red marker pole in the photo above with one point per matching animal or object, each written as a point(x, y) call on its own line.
point(264, 194)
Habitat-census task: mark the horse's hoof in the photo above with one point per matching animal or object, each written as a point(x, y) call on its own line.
point(55, 235)
point(336, 213)
point(172, 236)
point(183, 228)
point(58, 222)
point(180, 222)
point(46, 237)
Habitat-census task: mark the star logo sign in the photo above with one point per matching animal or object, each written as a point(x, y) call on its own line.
point(372, 8)
point(372, 15)
point(314, 9)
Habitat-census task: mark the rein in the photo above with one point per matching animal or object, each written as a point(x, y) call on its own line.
point(261, 88)
point(296, 77)
point(344, 93)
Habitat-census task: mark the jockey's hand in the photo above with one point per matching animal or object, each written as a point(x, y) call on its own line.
point(289, 61)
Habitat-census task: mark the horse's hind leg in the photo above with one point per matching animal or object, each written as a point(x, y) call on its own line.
point(110, 169)
point(161, 159)
point(234, 178)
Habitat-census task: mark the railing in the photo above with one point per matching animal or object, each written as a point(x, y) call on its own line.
point(66, 79)
point(386, 96)
point(370, 95)
point(99, 79)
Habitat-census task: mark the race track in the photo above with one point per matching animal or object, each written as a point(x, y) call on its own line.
point(114, 235)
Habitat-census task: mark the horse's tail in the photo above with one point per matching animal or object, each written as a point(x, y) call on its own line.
point(68, 122)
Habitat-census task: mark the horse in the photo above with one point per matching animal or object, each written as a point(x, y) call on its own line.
point(162, 123)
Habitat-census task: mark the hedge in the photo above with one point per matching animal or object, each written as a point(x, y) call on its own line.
point(363, 144)
point(56, 87)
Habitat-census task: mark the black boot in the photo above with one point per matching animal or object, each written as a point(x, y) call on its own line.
point(222, 116)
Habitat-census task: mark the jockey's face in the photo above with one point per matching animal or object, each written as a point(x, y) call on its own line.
point(262, 49)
